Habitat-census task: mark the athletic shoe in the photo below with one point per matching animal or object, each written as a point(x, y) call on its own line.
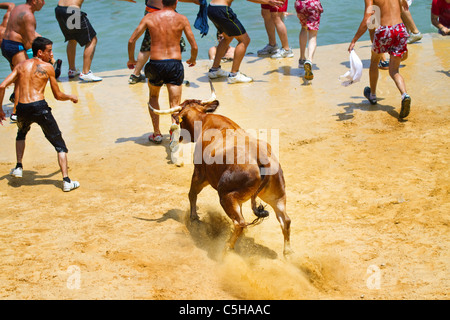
point(214, 74)
point(239, 78)
point(174, 137)
point(383, 65)
point(155, 138)
point(69, 186)
point(57, 67)
point(89, 77)
point(73, 73)
point(17, 172)
point(283, 53)
point(367, 93)
point(268, 50)
point(301, 63)
point(13, 117)
point(414, 37)
point(135, 79)
point(406, 106)
point(308, 70)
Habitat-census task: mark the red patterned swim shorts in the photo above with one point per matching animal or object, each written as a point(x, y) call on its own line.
point(309, 11)
point(391, 39)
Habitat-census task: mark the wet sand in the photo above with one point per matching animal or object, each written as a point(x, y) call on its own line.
point(368, 194)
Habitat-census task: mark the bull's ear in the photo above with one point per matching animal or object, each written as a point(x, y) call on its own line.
point(211, 106)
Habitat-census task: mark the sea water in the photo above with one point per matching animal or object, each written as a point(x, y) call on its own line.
point(115, 21)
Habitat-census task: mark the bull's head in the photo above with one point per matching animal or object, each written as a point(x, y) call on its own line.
point(190, 110)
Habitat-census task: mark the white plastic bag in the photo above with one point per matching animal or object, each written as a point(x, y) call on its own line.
point(355, 72)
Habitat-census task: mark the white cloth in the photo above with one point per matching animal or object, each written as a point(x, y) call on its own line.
point(355, 72)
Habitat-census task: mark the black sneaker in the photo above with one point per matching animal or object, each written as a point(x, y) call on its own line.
point(12, 97)
point(406, 106)
point(135, 79)
point(367, 95)
point(13, 117)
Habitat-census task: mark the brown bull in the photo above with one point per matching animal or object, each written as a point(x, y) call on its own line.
point(235, 181)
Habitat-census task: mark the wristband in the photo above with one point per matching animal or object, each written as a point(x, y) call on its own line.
point(30, 53)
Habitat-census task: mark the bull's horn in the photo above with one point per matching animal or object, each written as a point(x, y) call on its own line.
point(163, 112)
point(213, 94)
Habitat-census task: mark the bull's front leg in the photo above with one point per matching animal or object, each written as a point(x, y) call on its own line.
point(197, 184)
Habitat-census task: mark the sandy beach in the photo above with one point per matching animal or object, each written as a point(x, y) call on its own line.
point(368, 194)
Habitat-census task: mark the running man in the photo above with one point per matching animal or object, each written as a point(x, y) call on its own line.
point(31, 77)
point(226, 22)
point(165, 27)
point(391, 36)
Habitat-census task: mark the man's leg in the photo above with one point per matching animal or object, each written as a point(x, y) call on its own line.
point(222, 48)
point(239, 52)
point(312, 44)
point(62, 161)
point(20, 149)
point(395, 74)
point(153, 100)
point(174, 100)
point(277, 18)
point(303, 40)
point(71, 53)
point(269, 25)
point(88, 55)
point(374, 72)
point(16, 59)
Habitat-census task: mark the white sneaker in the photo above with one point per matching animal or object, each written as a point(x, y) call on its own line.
point(283, 53)
point(89, 77)
point(16, 172)
point(69, 186)
point(239, 78)
point(268, 50)
point(217, 73)
point(414, 37)
point(73, 73)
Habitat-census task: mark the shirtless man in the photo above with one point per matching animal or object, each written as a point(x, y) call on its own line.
point(391, 37)
point(9, 6)
point(84, 34)
point(31, 77)
point(165, 27)
point(18, 37)
point(144, 51)
point(226, 22)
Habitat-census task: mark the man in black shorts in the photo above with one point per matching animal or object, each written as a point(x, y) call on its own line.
point(77, 29)
point(226, 22)
point(31, 77)
point(165, 67)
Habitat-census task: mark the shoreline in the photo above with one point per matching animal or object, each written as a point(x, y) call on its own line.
point(364, 191)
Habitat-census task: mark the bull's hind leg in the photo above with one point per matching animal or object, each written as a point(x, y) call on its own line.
point(198, 182)
point(233, 209)
point(279, 206)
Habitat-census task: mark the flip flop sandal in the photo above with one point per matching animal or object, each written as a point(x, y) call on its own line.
point(155, 138)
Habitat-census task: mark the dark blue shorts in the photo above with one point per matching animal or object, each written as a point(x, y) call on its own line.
point(159, 72)
point(225, 20)
point(39, 112)
point(11, 48)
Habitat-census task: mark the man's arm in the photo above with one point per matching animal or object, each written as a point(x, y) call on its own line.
point(10, 79)
point(9, 7)
point(58, 94)
point(368, 12)
point(29, 28)
point(132, 43)
point(191, 38)
point(273, 3)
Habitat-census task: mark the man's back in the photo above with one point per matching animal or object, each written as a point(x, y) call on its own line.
point(68, 3)
point(21, 26)
point(390, 11)
point(166, 28)
point(33, 75)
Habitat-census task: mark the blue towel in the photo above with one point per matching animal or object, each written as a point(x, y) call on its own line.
point(201, 23)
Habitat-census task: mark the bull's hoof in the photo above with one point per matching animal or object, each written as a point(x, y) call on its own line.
point(261, 212)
